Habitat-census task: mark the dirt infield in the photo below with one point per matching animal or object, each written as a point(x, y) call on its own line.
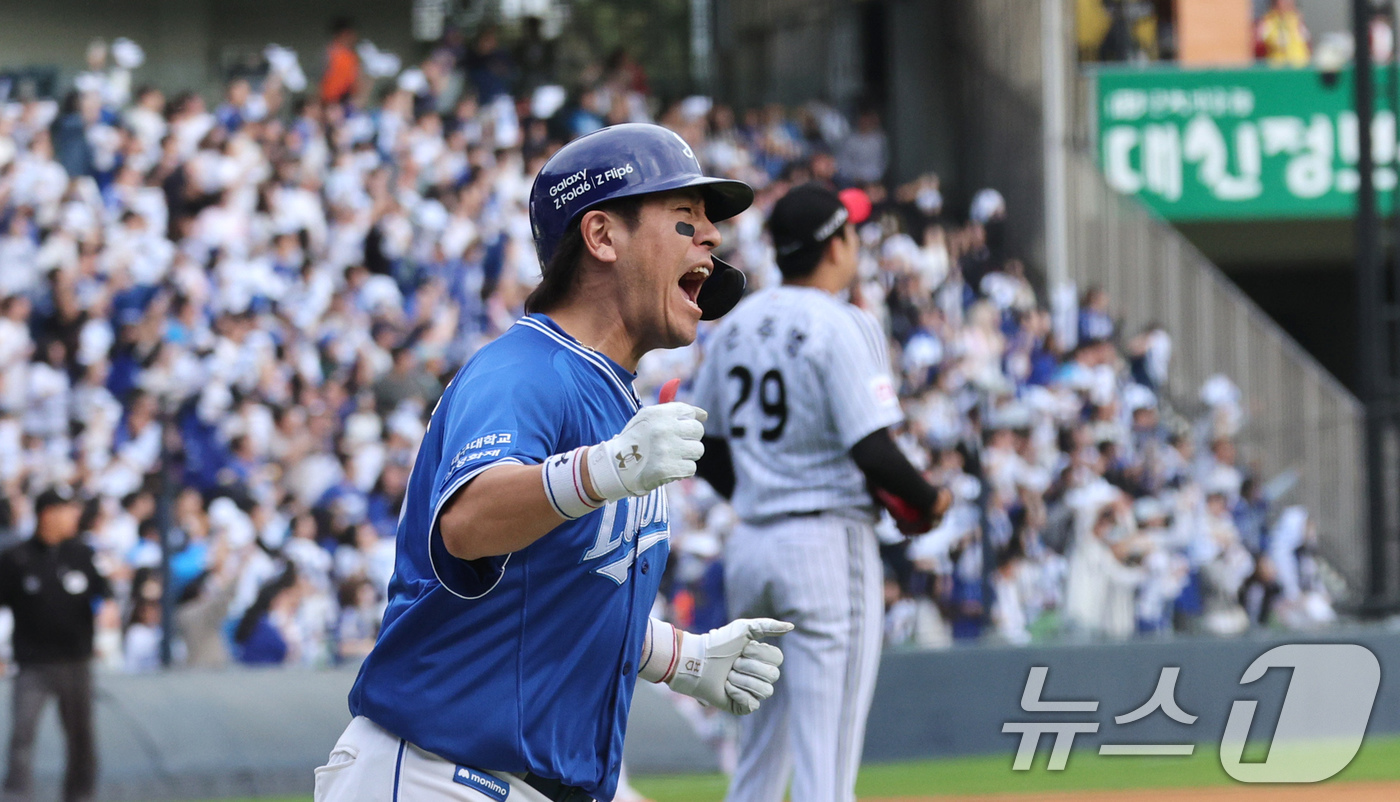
point(1331, 792)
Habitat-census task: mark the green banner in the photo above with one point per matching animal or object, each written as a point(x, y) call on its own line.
point(1253, 143)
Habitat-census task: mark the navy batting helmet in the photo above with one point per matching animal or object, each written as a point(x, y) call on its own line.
point(622, 161)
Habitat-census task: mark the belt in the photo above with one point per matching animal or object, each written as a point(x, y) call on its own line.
point(555, 789)
point(804, 514)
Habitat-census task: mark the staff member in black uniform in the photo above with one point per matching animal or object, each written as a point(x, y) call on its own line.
point(51, 585)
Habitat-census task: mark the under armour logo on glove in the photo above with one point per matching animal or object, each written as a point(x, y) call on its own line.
point(635, 456)
point(670, 433)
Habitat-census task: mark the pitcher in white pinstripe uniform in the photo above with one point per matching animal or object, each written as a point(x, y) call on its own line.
point(798, 386)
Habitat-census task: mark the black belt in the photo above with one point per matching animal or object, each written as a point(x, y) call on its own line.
point(805, 514)
point(556, 789)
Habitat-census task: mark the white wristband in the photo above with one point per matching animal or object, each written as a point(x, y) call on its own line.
point(662, 652)
point(563, 485)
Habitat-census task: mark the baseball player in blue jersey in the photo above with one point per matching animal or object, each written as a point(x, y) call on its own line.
point(535, 527)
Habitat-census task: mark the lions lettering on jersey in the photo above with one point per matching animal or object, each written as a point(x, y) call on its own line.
point(645, 523)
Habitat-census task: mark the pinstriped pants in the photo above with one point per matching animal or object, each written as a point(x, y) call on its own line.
point(823, 574)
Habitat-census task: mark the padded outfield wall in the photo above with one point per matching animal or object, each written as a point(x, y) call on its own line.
point(192, 735)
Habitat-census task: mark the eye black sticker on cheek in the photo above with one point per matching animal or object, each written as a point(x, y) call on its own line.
point(685, 229)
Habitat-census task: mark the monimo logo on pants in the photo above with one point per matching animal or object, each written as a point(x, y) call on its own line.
point(1320, 727)
point(480, 781)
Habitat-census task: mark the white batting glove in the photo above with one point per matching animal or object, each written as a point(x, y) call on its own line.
point(729, 667)
point(659, 445)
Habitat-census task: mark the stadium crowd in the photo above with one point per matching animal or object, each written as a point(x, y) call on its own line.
point(225, 328)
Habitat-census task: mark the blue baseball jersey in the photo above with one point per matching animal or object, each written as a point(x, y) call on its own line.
point(524, 662)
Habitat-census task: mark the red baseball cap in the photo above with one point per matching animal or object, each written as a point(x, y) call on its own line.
point(857, 203)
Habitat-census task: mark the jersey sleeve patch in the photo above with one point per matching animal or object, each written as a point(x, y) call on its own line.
point(480, 452)
point(882, 389)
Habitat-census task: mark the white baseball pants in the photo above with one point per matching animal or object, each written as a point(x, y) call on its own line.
point(823, 574)
point(368, 764)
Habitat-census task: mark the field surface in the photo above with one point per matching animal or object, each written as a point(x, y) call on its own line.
point(1373, 775)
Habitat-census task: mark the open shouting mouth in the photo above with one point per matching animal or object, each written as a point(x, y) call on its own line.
point(692, 281)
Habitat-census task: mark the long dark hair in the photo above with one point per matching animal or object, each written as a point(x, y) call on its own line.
point(561, 273)
point(263, 603)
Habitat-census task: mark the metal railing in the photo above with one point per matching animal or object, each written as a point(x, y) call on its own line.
point(1297, 416)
